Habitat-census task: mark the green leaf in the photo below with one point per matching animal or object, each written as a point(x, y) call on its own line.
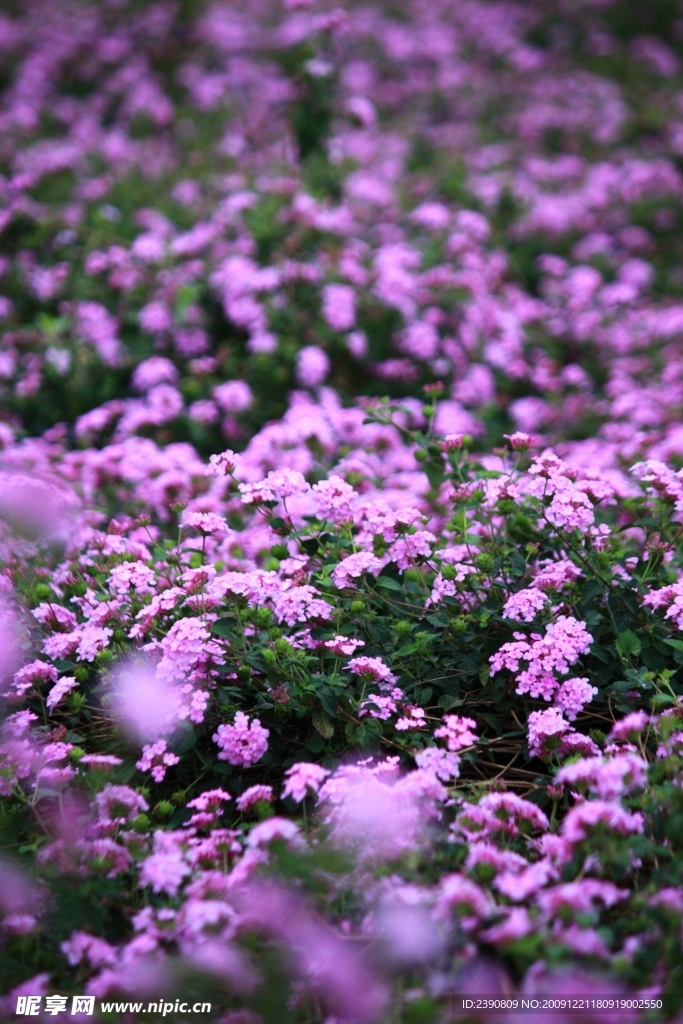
point(517, 565)
point(63, 666)
point(628, 643)
point(323, 725)
point(388, 584)
point(224, 628)
point(322, 633)
point(435, 472)
point(661, 700)
point(447, 702)
point(368, 735)
point(187, 741)
point(328, 699)
point(405, 650)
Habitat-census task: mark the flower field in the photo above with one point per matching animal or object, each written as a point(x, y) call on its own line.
point(341, 511)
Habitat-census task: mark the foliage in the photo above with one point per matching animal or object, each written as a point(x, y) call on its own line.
point(381, 704)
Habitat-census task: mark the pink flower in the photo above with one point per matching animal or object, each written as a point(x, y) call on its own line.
point(82, 946)
point(113, 800)
point(155, 317)
point(312, 367)
point(34, 673)
point(343, 646)
point(379, 819)
point(524, 605)
point(451, 443)
point(573, 695)
point(556, 575)
point(279, 484)
point(242, 743)
point(64, 686)
point(165, 869)
point(302, 778)
point(353, 567)
point(571, 509)
point(234, 396)
point(339, 306)
point(273, 829)
point(334, 499)
point(520, 441)
point(223, 464)
point(671, 595)
point(373, 668)
point(460, 895)
point(102, 762)
point(188, 650)
point(254, 795)
point(301, 604)
point(564, 642)
point(580, 820)
point(85, 642)
point(457, 731)
point(156, 758)
point(543, 725)
point(133, 577)
point(498, 813)
point(610, 778)
point(379, 707)
point(142, 702)
point(516, 925)
point(520, 885)
point(415, 719)
point(580, 897)
point(444, 764)
point(629, 726)
point(205, 522)
point(153, 371)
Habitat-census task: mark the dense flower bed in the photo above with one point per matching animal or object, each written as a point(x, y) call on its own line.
point(381, 703)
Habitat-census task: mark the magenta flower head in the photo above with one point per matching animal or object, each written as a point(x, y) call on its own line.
point(223, 464)
point(312, 366)
point(40, 509)
point(19, 897)
point(452, 442)
point(317, 955)
point(10, 653)
point(521, 442)
point(141, 702)
point(303, 778)
point(243, 743)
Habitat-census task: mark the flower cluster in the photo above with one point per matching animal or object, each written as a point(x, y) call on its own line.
point(384, 697)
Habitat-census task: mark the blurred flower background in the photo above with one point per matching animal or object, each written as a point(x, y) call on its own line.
point(341, 507)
